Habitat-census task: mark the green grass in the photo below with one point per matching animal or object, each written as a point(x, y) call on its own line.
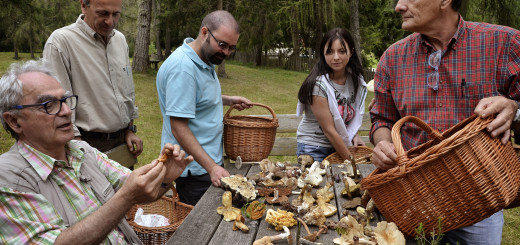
point(274, 87)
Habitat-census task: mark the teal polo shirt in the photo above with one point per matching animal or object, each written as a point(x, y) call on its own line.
point(189, 88)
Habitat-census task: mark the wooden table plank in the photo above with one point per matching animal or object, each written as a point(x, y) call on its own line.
point(200, 225)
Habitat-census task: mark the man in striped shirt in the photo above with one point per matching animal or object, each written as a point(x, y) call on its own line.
point(55, 190)
point(445, 72)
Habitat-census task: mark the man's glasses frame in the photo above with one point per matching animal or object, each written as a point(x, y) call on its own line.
point(434, 60)
point(223, 45)
point(50, 107)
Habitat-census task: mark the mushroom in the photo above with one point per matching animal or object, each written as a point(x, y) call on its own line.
point(312, 237)
point(243, 190)
point(239, 224)
point(326, 192)
point(276, 199)
point(388, 234)
point(348, 227)
point(328, 209)
point(312, 177)
point(164, 156)
point(315, 216)
point(268, 240)
point(255, 210)
point(305, 160)
point(280, 218)
point(227, 210)
point(351, 188)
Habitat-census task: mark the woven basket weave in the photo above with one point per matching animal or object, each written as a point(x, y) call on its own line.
point(170, 208)
point(250, 137)
point(462, 175)
point(357, 151)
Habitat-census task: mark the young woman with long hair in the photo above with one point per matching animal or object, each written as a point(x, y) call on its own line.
point(333, 99)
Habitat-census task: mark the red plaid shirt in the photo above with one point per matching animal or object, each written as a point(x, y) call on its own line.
point(486, 56)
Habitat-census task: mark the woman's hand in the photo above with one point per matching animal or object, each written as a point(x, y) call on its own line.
point(357, 141)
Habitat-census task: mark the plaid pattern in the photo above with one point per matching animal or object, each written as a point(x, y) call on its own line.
point(481, 60)
point(29, 218)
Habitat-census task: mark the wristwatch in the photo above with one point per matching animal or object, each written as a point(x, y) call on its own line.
point(132, 128)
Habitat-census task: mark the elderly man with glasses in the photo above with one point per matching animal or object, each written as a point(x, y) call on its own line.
point(191, 102)
point(56, 190)
point(446, 71)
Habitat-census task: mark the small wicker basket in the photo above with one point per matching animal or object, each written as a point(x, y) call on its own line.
point(462, 175)
point(170, 208)
point(250, 137)
point(357, 151)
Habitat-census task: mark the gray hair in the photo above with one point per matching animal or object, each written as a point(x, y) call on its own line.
point(218, 18)
point(11, 92)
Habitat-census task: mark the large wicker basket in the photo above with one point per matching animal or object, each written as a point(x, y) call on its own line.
point(250, 137)
point(170, 208)
point(356, 151)
point(462, 175)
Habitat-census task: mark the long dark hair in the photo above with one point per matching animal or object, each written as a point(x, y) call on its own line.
point(353, 67)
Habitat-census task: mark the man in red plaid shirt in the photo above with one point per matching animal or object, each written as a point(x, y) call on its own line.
point(444, 72)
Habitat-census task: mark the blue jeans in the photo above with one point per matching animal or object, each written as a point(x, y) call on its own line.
point(485, 232)
point(317, 152)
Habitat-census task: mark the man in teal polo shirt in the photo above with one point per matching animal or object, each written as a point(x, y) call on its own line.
point(192, 104)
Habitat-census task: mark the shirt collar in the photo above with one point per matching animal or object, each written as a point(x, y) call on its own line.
point(461, 29)
point(43, 164)
point(84, 27)
point(193, 55)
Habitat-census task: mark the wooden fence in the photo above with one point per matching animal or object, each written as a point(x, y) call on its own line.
point(292, 63)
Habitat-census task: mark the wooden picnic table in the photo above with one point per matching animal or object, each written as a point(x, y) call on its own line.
point(205, 226)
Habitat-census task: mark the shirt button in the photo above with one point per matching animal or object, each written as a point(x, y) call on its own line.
point(440, 104)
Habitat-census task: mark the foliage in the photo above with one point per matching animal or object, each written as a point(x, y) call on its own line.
point(434, 238)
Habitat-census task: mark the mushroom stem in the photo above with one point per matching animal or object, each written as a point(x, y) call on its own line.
point(354, 167)
point(312, 237)
point(270, 239)
point(304, 225)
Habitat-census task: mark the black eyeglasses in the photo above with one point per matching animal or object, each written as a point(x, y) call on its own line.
point(53, 107)
point(223, 45)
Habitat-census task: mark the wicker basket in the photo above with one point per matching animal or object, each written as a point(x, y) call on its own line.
point(170, 208)
point(250, 137)
point(357, 151)
point(462, 175)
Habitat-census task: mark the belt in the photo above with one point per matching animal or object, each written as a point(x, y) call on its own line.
point(107, 136)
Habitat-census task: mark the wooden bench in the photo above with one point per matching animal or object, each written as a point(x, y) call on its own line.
point(286, 146)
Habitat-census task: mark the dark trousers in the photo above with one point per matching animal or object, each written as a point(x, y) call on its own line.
point(104, 145)
point(192, 187)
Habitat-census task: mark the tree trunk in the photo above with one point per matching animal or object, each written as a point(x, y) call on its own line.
point(157, 26)
point(258, 59)
point(354, 27)
point(222, 67)
point(31, 40)
point(295, 33)
point(15, 46)
point(167, 42)
point(142, 41)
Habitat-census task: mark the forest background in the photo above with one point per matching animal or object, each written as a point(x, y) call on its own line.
point(154, 28)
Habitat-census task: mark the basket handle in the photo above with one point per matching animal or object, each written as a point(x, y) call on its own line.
point(257, 104)
point(396, 136)
point(474, 125)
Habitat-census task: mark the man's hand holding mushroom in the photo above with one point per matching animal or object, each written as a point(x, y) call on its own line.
point(146, 184)
point(174, 161)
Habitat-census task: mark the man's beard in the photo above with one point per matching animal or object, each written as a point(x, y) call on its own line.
point(215, 58)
